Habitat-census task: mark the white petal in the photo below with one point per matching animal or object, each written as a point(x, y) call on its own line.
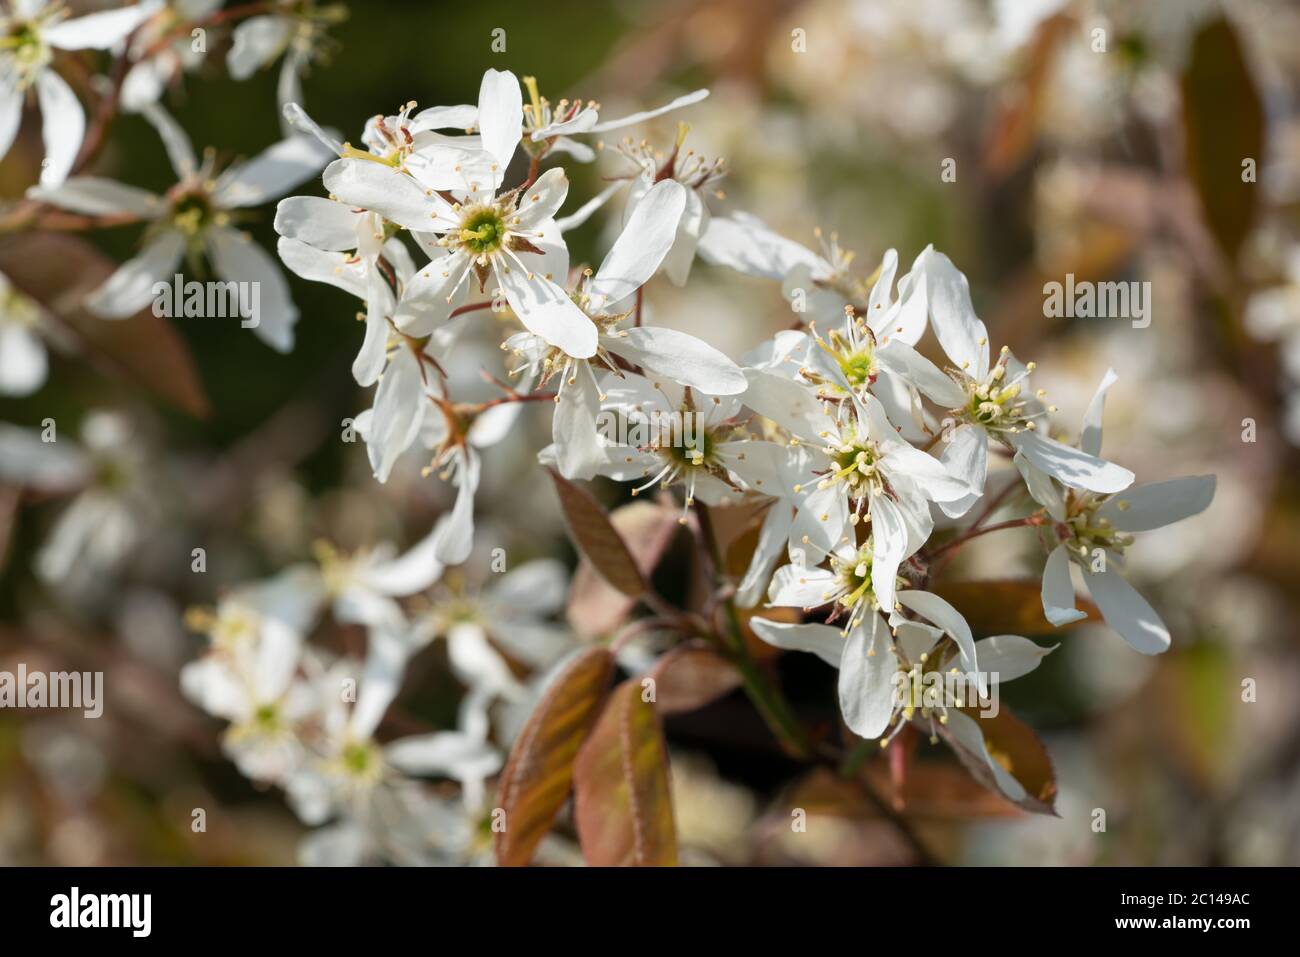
point(23, 362)
point(63, 125)
point(500, 114)
point(175, 142)
point(458, 168)
point(370, 360)
point(98, 31)
point(1128, 612)
point(296, 118)
point(1158, 504)
point(94, 196)
point(11, 110)
point(866, 685)
point(772, 539)
point(640, 248)
point(966, 731)
point(1071, 466)
point(398, 412)
point(790, 405)
point(633, 119)
point(1090, 437)
point(130, 288)
point(271, 173)
point(393, 195)
point(319, 265)
point(939, 612)
point(692, 225)
point(925, 472)
point(1040, 486)
point(441, 752)
point(800, 586)
point(409, 573)
point(319, 222)
point(584, 122)
point(966, 457)
point(424, 306)
point(543, 199)
point(1058, 590)
point(1006, 657)
point(278, 652)
point(821, 523)
point(456, 533)
point(535, 588)
point(889, 548)
point(745, 244)
point(680, 357)
point(905, 361)
point(579, 451)
point(381, 679)
point(962, 335)
point(257, 41)
point(825, 642)
point(237, 258)
point(461, 117)
point(547, 311)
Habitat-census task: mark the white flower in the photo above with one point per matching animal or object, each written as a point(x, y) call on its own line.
point(883, 665)
point(509, 237)
point(823, 284)
point(23, 359)
point(103, 523)
point(1093, 530)
point(991, 401)
point(685, 167)
point(297, 31)
point(676, 435)
point(552, 127)
point(194, 218)
point(862, 469)
point(606, 299)
point(325, 241)
point(254, 684)
point(32, 31)
point(348, 769)
point(167, 59)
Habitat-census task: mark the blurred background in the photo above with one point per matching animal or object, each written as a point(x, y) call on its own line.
point(1028, 139)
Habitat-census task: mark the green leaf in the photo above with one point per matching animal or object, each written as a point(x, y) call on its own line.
point(1223, 124)
point(596, 538)
point(623, 799)
point(538, 775)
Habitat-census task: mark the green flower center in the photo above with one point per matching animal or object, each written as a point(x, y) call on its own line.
point(192, 213)
point(858, 367)
point(359, 759)
point(1088, 531)
point(483, 230)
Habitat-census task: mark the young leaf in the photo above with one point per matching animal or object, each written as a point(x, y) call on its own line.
point(1011, 607)
point(690, 677)
point(1017, 748)
point(1223, 126)
point(539, 772)
point(595, 537)
point(596, 608)
point(623, 800)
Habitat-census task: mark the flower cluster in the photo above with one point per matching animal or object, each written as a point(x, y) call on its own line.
point(866, 454)
point(305, 719)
